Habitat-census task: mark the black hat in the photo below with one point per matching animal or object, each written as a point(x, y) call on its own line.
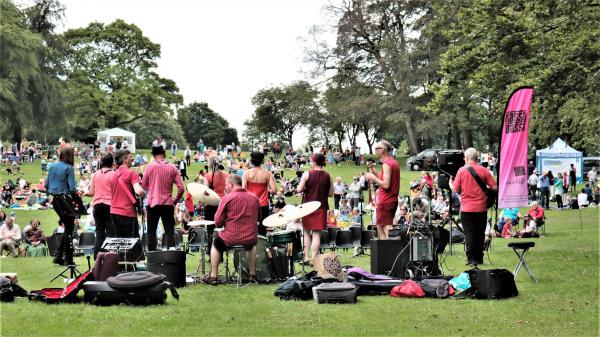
point(156, 150)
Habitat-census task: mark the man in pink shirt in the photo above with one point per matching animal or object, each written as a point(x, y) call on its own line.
point(158, 180)
point(473, 204)
point(125, 187)
point(238, 212)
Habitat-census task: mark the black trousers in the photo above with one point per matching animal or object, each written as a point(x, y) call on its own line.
point(474, 227)
point(559, 201)
point(104, 227)
point(184, 175)
point(65, 246)
point(264, 212)
point(545, 197)
point(336, 201)
point(166, 213)
point(125, 226)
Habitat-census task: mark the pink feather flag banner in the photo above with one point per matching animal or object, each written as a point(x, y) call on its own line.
point(514, 144)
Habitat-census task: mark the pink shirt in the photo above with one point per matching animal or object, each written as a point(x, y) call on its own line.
point(158, 180)
point(238, 212)
point(123, 196)
point(102, 181)
point(472, 198)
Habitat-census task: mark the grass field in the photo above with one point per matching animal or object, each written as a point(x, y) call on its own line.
point(565, 301)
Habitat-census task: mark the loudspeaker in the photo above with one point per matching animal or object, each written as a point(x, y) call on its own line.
point(422, 249)
point(169, 263)
point(385, 252)
point(129, 249)
point(450, 161)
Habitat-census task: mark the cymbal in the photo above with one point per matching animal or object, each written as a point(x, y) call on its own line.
point(278, 219)
point(203, 194)
point(198, 223)
point(305, 209)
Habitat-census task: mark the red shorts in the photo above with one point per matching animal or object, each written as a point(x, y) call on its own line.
point(315, 221)
point(385, 213)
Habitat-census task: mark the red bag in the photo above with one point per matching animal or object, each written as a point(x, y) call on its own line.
point(451, 291)
point(408, 288)
point(60, 295)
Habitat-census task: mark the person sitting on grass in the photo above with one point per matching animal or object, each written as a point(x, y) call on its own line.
point(507, 229)
point(331, 219)
point(582, 199)
point(530, 228)
point(355, 218)
point(35, 240)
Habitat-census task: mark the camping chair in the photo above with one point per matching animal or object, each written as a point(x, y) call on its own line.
point(343, 239)
point(324, 241)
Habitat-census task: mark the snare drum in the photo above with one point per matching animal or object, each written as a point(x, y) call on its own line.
point(281, 237)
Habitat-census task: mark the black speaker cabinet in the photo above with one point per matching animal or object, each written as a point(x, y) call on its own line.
point(449, 161)
point(129, 249)
point(169, 263)
point(385, 252)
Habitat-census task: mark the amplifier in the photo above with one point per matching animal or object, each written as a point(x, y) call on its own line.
point(421, 249)
point(389, 257)
point(129, 249)
point(449, 161)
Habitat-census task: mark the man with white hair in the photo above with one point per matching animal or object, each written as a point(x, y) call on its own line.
point(473, 206)
point(9, 234)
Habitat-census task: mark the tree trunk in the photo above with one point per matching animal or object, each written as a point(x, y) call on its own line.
point(449, 137)
point(17, 131)
point(411, 138)
point(340, 138)
point(467, 136)
point(457, 139)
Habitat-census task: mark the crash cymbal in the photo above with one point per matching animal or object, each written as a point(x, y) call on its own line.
point(305, 209)
point(203, 194)
point(198, 223)
point(278, 219)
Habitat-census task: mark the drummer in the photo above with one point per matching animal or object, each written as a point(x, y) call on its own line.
point(317, 186)
point(260, 182)
point(238, 213)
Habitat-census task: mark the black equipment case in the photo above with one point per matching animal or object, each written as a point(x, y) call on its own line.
point(492, 283)
point(169, 263)
point(135, 288)
point(338, 292)
point(374, 287)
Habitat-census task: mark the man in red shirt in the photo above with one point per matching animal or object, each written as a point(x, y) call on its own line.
point(125, 187)
point(158, 180)
point(238, 212)
point(389, 187)
point(473, 205)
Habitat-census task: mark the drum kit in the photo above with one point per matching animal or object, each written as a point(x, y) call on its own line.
point(284, 237)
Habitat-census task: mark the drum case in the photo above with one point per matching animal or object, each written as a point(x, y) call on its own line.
point(338, 292)
point(100, 293)
point(169, 263)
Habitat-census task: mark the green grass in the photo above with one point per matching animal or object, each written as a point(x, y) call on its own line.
point(563, 302)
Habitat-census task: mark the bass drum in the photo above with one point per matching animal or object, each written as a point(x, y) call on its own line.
point(263, 274)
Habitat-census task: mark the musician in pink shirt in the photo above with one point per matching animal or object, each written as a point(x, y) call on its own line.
point(101, 190)
point(158, 180)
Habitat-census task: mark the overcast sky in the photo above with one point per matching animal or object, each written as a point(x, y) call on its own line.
point(219, 52)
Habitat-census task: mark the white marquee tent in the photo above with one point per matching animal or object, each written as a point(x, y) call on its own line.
point(117, 134)
point(558, 157)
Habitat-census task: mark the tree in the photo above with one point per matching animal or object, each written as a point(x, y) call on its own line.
point(198, 120)
point(110, 78)
point(283, 110)
point(19, 66)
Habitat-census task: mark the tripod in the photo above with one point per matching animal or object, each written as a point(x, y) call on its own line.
point(73, 272)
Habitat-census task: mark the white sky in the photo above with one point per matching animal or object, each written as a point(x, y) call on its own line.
point(219, 52)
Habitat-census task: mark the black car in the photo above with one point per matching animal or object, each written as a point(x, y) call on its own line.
point(426, 160)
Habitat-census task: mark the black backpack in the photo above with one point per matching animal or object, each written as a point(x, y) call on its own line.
point(492, 284)
point(6, 290)
point(298, 288)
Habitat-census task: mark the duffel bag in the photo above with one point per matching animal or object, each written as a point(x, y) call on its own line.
point(492, 283)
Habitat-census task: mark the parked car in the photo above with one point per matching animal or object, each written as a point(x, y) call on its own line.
point(426, 160)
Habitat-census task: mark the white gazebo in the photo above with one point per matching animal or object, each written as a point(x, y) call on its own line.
point(117, 134)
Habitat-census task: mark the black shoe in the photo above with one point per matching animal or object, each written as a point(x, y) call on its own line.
point(58, 260)
point(472, 264)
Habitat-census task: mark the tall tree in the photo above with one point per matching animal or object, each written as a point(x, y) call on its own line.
point(199, 121)
point(19, 66)
point(283, 110)
point(111, 79)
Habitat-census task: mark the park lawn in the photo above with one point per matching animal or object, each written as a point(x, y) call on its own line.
point(563, 302)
